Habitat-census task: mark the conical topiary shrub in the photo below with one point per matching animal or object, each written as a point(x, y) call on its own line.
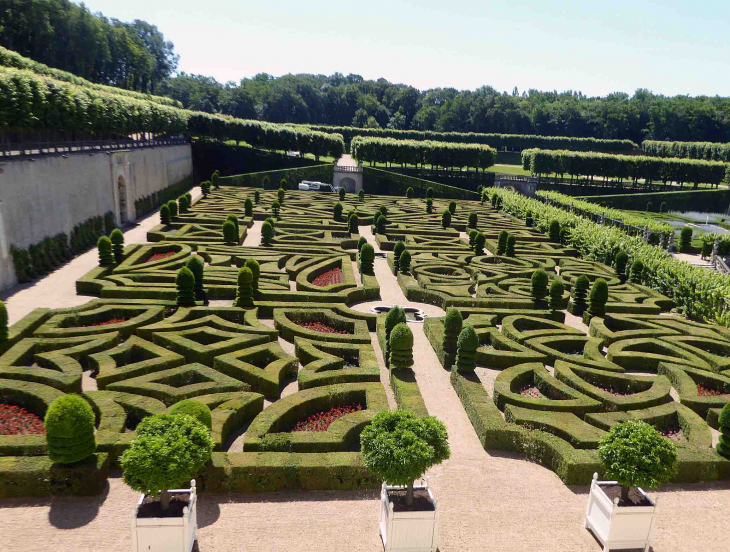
point(376, 218)
point(337, 211)
point(361, 195)
point(275, 206)
point(398, 250)
point(382, 222)
point(429, 193)
point(117, 239)
point(621, 261)
point(70, 424)
point(539, 283)
point(244, 293)
point(453, 323)
point(104, 244)
point(723, 445)
point(556, 295)
point(554, 231)
point(255, 268)
point(401, 347)
point(197, 267)
point(267, 233)
point(183, 203)
point(429, 205)
point(409, 192)
point(248, 207)
point(577, 304)
point(685, 240)
point(205, 188)
point(367, 257)
point(564, 235)
point(3, 323)
point(446, 219)
point(353, 224)
point(472, 234)
point(510, 250)
point(280, 194)
point(479, 242)
point(185, 284)
point(405, 262)
point(395, 316)
point(172, 205)
point(362, 241)
point(234, 219)
point(637, 272)
point(165, 215)
point(229, 232)
point(502, 242)
point(466, 349)
point(215, 179)
point(257, 197)
point(596, 301)
point(528, 219)
point(272, 222)
point(452, 207)
point(472, 220)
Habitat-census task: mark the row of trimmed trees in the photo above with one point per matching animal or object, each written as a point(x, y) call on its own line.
point(635, 167)
point(708, 151)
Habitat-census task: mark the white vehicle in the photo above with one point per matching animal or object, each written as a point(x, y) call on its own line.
point(310, 186)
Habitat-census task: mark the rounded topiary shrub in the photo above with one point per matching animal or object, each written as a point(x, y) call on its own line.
point(165, 215)
point(637, 272)
point(685, 240)
point(556, 295)
point(663, 207)
point(579, 294)
point(453, 323)
point(205, 188)
point(429, 205)
point(565, 235)
point(446, 218)
point(272, 222)
point(257, 197)
point(183, 203)
point(337, 211)
point(636, 455)
point(405, 262)
point(382, 222)
point(649, 205)
point(3, 323)
point(554, 231)
point(479, 241)
point(510, 250)
point(502, 242)
point(367, 257)
point(197, 267)
point(194, 409)
point(275, 206)
point(167, 453)
point(597, 300)
point(248, 207)
point(117, 239)
point(466, 349)
point(621, 262)
point(376, 218)
point(172, 205)
point(267, 233)
point(361, 195)
point(255, 268)
point(429, 193)
point(401, 347)
point(104, 245)
point(234, 219)
point(342, 194)
point(399, 447)
point(398, 250)
point(185, 284)
point(473, 219)
point(283, 184)
point(539, 282)
point(280, 194)
point(244, 292)
point(484, 197)
point(395, 316)
point(215, 179)
point(410, 193)
point(472, 234)
point(353, 224)
point(70, 424)
point(528, 219)
point(362, 241)
point(723, 445)
point(229, 232)
point(452, 207)
point(706, 248)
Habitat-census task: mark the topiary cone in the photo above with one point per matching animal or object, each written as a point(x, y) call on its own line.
point(3, 323)
point(596, 301)
point(185, 283)
point(398, 250)
point(401, 347)
point(395, 316)
point(453, 323)
point(197, 267)
point(539, 283)
point(723, 445)
point(104, 245)
point(367, 257)
point(502, 242)
point(577, 304)
point(467, 345)
point(556, 295)
point(405, 262)
point(267, 233)
point(70, 424)
point(244, 293)
point(253, 266)
point(117, 239)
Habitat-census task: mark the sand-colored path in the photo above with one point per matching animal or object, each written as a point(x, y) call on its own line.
point(487, 502)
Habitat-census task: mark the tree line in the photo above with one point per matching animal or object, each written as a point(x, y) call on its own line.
point(635, 167)
point(690, 150)
point(424, 152)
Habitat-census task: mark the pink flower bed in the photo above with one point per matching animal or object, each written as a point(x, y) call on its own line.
point(158, 256)
point(322, 420)
point(322, 328)
point(704, 392)
point(15, 420)
point(328, 278)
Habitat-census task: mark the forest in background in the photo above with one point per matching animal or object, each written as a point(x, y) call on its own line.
point(136, 56)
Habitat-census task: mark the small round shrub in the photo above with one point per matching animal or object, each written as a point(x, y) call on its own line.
point(556, 295)
point(3, 323)
point(272, 222)
point(706, 249)
point(723, 445)
point(494, 199)
point(554, 231)
point(472, 220)
point(636, 455)
point(405, 262)
point(205, 187)
point(248, 207)
point(283, 184)
point(117, 239)
point(528, 219)
point(401, 347)
point(409, 192)
point(453, 323)
point(446, 218)
point(621, 261)
point(185, 284)
point(229, 232)
point(267, 233)
point(367, 257)
point(685, 240)
point(275, 207)
point(165, 215)
point(510, 250)
point(384, 210)
point(466, 349)
point(399, 447)
point(398, 249)
point(429, 193)
point(194, 409)
point(255, 268)
point(215, 179)
point(395, 316)
point(598, 298)
point(337, 210)
point(244, 292)
point(265, 183)
point(452, 207)
point(382, 222)
point(234, 219)
point(362, 241)
point(168, 451)
point(484, 197)
point(353, 224)
point(479, 242)
point(70, 424)
point(663, 207)
point(472, 234)
point(539, 283)
point(361, 195)
point(172, 205)
point(637, 272)
point(257, 197)
point(342, 194)
point(280, 194)
point(197, 267)
point(502, 242)
point(564, 235)
point(183, 204)
point(104, 245)
point(429, 205)
point(579, 295)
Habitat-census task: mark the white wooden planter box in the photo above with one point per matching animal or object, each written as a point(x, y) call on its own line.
point(618, 527)
point(166, 534)
point(407, 531)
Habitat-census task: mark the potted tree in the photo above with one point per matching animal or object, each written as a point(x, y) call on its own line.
point(400, 447)
point(619, 513)
point(168, 451)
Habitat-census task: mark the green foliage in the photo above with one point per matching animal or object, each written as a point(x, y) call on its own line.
point(267, 233)
point(342, 193)
point(710, 151)
point(494, 199)
point(229, 232)
point(354, 224)
point(172, 206)
point(275, 206)
point(429, 205)
point(598, 298)
point(234, 219)
point(556, 295)
point(410, 192)
point(706, 248)
point(564, 235)
point(429, 193)
point(185, 284)
point(272, 222)
point(467, 345)
point(376, 218)
point(479, 241)
point(382, 222)
point(361, 195)
point(554, 232)
point(446, 218)
point(399, 447)
point(196, 265)
point(484, 197)
point(395, 316)
point(283, 184)
point(248, 207)
point(637, 272)
point(453, 323)
point(649, 206)
point(663, 207)
point(472, 220)
point(195, 409)
point(70, 424)
point(104, 245)
point(253, 265)
point(398, 249)
point(452, 207)
point(405, 262)
point(244, 292)
point(205, 188)
point(117, 239)
point(401, 347)
point(528, 219)
point(367, 257)
point(165, 215)
point(685, 240)
point(215, 179)
point(723, 445)
point(257, 197)
point(580, 294)
point(265, 182)
point(3, 323)
point(280, 194)
point(472, 234)
point(167, 453)
point(502, 242)
point(539, 283)
point(510, 251)
point(621, 261)
point(337, 209)
point(637, 455)
point(362, 241)
point(384, 210)
point(183, 203)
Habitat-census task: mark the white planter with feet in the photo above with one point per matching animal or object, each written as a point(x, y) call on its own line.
point(618, 527)
point(407, 531)
point(168, 534)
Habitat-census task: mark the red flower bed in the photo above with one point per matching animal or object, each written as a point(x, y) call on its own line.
point(322, 328)
point(322, 420)
point(673, 433)
point(158, 256)
point(328, 278)
point(613, 390)
point(704, 392)
point(110, 321)
point(15, 420)
point(531, 392)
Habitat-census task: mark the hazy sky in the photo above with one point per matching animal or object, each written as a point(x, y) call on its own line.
point(670, 46)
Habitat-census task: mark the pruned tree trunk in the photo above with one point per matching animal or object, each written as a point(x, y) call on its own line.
point(409, 494)
point(164, 500)
point(624, 494)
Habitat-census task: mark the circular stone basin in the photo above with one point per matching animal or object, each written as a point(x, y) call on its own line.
point(412, 314)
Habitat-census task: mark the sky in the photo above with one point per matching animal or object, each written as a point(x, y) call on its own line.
point(670, 47)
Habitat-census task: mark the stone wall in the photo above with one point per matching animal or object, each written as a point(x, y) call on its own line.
point(45, 196)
